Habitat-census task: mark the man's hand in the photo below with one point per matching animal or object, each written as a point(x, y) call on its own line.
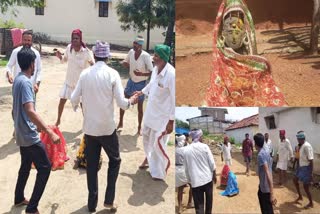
point(54, 137)
point(272, 199)
point(169, 127)
point(134, 99)
point(58, 54)
point(10, 78)
point(214, 177)
point(138, 73)
point(138, 93)
point(36, 88)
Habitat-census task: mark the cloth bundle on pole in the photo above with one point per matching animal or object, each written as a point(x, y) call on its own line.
point(224, 175)
point(56, 152)
point(240, 77)
point(232, 186)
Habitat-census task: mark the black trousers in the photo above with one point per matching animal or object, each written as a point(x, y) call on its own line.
point(265, 203)
point(198, 194)
point(36, 154)
point(110, 145)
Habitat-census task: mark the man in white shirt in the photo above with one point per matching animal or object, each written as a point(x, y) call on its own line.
point(284, 154)
point(140, 67)
point(226, 151)
point(159, 114)
point(79, 58)
point(13, 68)
point(305, 168)
point(268, 144)
point(97, 87)
point(200, 171)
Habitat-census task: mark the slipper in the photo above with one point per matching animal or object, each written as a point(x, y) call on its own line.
point(143, 167)
point(22, 203)
point(157, 179)
point(112, 207)
point(33, 213)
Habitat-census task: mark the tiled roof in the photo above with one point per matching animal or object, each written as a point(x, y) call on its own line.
point(249, 121)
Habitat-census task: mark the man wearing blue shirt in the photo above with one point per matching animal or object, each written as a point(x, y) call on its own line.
point(265, 193)
point(27, 123)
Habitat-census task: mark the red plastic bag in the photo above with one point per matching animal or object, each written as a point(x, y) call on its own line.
point(56, 152)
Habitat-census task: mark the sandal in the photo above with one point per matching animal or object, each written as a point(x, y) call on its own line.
point(143, 167)
point(22, 203)
point(112, 207)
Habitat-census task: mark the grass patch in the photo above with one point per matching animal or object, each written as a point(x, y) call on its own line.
point(215, 137)
point(3, 62)
point(170, 143)
point(116, 64)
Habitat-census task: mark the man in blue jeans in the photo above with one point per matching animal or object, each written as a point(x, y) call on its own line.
point(27, 123)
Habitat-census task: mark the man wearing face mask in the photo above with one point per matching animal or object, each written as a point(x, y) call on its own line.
point(140, 67)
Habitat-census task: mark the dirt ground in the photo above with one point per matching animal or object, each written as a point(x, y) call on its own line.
point(66, 191)
point(247, 200)
point(282, 39)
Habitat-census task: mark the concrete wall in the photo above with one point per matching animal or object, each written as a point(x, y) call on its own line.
point(293, 120)
point(239, 134)
point(216, 113)
point(206, 124)
point(61, 17)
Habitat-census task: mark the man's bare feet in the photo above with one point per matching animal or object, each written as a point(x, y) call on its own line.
point(298, 199)
point(308, 206)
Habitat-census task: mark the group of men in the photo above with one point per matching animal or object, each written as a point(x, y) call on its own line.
point(94, 85)
point(283, 152)
point(195, 166)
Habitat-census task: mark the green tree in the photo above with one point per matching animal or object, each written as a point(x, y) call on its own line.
point(141, 15)
point(6, 4)
point(181, 124)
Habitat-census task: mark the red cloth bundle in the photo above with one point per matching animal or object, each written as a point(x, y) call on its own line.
point(224, 175)
point(56, 152)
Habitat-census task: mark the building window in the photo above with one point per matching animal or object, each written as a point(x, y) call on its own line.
point(103, 9)
point(39, 11)
point(270, 122)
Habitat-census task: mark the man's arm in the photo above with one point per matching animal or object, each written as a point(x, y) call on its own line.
point(36, 119)
point(270, 182)
point(11, 63)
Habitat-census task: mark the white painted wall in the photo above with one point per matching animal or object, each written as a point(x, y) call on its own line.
point(239, 134)
point(293, 120)
point(62, 16)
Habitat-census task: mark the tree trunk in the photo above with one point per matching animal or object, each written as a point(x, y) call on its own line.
point(169, 34)
point(148, 25)
point(315, 27)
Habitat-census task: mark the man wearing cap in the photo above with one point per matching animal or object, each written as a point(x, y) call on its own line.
point(140, 67)
point(97, 86)
point(285, 153)
point(200, 171)
point(304, 172)
point(79, 57)
point(159, 114)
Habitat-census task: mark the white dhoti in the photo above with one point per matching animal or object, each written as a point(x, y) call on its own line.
point(181, 178)
point(155, 143)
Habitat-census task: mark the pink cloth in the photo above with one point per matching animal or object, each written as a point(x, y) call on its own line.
point(16, 35)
